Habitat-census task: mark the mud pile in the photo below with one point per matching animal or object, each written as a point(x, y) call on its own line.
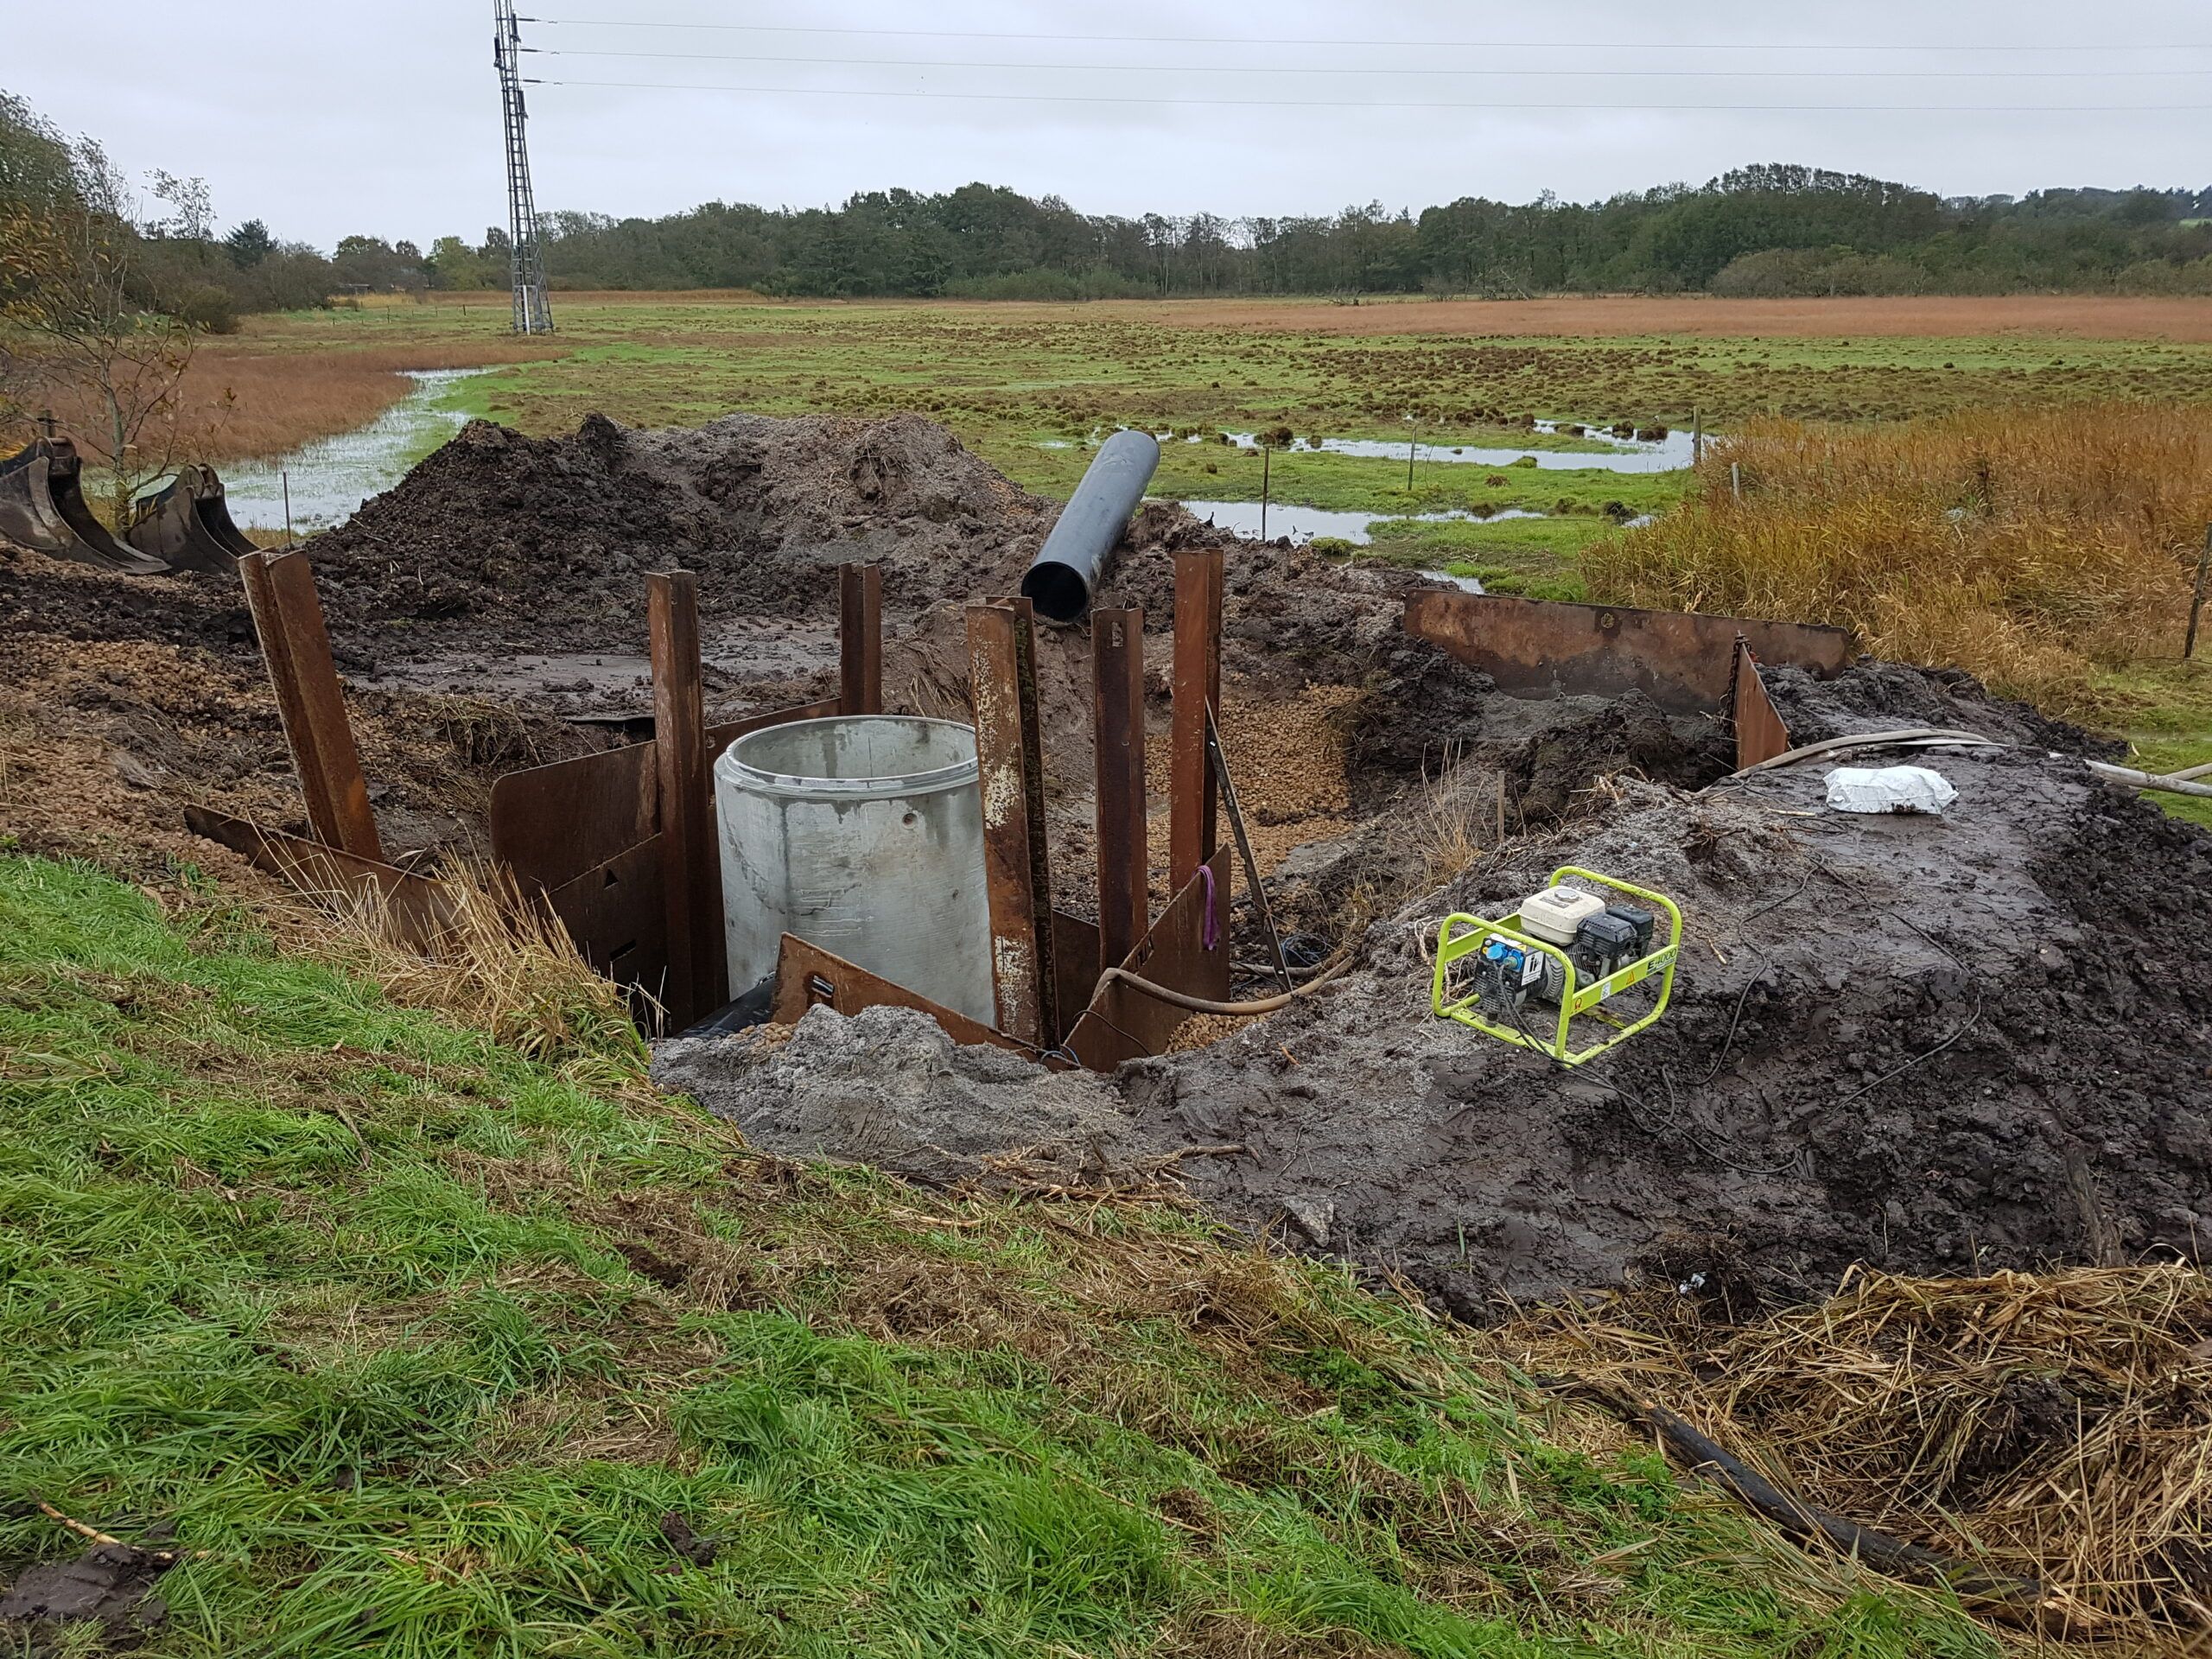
point(1935, 1045)
point(502, 540)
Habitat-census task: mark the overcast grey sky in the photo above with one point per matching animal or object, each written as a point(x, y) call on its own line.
point(325, 119)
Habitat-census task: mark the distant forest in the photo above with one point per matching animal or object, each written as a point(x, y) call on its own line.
point(1760, 230)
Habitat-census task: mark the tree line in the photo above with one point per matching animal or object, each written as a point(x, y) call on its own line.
point(1758, 230)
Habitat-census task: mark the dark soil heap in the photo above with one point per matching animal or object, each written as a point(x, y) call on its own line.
point(499, 540)
point(1939, 1044)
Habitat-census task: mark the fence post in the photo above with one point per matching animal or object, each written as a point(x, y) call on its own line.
point(2196, 604)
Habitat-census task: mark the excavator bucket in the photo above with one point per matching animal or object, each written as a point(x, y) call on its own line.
point(42, 507)
point(187, 525)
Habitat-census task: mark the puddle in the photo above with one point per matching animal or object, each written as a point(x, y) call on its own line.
point(1465, 584)
point(332, 477)
point(1303, 523)
point(1665, 455)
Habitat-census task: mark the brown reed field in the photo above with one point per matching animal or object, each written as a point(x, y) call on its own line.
point(2041, 548)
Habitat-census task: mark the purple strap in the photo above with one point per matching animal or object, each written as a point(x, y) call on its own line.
point(1209, 935)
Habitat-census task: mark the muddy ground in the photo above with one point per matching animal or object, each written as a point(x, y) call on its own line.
point(1928, 1043)
point(1938, 1044)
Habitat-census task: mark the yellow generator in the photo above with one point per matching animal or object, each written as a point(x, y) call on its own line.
point(1568, 951)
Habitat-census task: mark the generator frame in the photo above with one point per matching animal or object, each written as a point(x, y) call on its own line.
point(1574, 1001)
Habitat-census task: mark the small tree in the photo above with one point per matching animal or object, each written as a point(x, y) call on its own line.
point(80, 320)
point(249, 245)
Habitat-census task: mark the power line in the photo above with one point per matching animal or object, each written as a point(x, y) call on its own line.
point(1367, 104)
point(1337, 41)
point(1391, 69)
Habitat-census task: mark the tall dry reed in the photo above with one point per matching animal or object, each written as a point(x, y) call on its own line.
point(2026, 545)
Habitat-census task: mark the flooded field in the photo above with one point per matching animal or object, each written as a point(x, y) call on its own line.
point(1243, 519)
point(1594, 451)
point(329, 479)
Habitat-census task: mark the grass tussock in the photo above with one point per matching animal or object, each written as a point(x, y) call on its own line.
point(2030, 546)
point(2054, 1426)
point(413, 1344)
point(495, 962)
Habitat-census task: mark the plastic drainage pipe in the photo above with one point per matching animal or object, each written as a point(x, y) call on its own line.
point(1061, 579)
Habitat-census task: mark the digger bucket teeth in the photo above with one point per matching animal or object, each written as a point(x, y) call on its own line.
point(42, 507)
point(187, 525)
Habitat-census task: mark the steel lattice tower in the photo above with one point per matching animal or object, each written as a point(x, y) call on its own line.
point(525, 253)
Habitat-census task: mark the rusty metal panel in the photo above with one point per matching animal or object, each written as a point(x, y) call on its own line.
point(807, 977)
point(420, 910)
point(1680, 659)
point(1760, 734)
point(860, 638)
point(1117, 747)
point(287, 615)
point(691, 879)
point(1123, 1024)
point(1075, 960)
point(721, 737)
point(1002, 666)
point(617, 915)
point(549, 824)
point(1193, 821)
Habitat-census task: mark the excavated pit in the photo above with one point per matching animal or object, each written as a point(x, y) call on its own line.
point(1932, 1044)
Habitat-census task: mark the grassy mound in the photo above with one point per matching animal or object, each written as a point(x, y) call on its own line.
point(410, 1344)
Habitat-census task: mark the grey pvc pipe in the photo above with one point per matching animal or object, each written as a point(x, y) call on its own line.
point(1062, 577)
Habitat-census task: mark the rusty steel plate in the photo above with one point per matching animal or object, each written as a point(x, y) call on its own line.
point(1124, 1023)
point(615, 914)
point(807, 977)
point(420, 910)
point(1680, 659)
point(1760, 734)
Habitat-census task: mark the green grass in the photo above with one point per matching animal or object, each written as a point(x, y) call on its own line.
point(2165, 709)
point(414, 1342)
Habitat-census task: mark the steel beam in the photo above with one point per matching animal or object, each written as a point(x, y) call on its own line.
point(860, 638)
point(280, 593)
point(1117, 731)
point(1193, 814)
point(1002, 668)
point(691, 883)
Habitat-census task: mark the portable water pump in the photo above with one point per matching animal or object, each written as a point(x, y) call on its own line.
point(1567, 952)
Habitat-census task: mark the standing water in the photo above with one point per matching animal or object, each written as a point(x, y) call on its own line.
point(331, 477)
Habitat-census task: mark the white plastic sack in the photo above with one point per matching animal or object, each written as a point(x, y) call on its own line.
point(1889, 789)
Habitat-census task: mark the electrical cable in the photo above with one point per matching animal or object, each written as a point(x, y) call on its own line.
point(1175, 999)
point(1384, 69)
point(1340, 41)
point(1383, 104)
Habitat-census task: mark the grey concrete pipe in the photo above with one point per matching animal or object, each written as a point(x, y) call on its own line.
point(1061, 578)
